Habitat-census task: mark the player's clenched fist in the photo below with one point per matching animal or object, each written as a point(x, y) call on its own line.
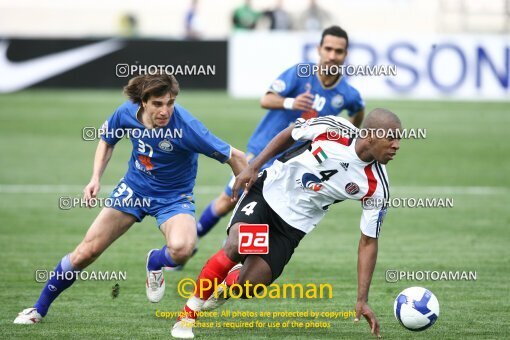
point(303, 102)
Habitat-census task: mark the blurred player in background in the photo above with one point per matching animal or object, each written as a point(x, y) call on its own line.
point(298, 92)
point(162, 168)
point(292, 196)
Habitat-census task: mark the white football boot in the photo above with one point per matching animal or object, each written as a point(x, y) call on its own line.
point(214, 302)
point(183, 329)
point(28, 316)
point(155, 283)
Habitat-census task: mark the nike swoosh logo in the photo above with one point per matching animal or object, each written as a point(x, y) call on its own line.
point(16, 76)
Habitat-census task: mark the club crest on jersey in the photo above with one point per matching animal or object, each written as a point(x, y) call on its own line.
point(278, 85)
point(351, 188)
point(166, 146)
point(319, 155)
point(337, 101)
point(312, 182)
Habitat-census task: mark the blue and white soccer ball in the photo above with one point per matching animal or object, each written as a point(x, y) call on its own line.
point(416, 308)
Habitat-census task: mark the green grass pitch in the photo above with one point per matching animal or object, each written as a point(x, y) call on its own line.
point(465, 157)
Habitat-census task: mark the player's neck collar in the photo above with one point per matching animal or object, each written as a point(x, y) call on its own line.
point(328, 87)
point(139, 115)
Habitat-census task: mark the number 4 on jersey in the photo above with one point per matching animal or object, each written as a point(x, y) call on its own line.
point(327, 174)
point(248, 208)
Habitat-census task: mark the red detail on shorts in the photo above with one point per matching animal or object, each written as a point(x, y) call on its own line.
point(253, 239)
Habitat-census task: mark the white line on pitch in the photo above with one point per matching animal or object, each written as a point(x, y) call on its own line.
point(216, 189)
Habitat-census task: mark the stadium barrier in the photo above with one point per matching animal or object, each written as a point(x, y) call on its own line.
point(460, 67)
point(106, 63)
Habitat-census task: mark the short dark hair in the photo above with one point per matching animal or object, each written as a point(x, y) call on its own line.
point(336, 31)
point(139, 89)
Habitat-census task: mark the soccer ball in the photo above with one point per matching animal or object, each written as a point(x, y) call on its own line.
point(416, 308)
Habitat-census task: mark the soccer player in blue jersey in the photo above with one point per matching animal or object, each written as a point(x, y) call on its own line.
point(297, 93)
point(163, 166)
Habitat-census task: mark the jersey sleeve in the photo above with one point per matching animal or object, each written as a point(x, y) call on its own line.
point(332, 128)
point(355, 104)
point(199, 139)
point(376, 206)
point(371, 220)
point(285, 83)
point(110, 130)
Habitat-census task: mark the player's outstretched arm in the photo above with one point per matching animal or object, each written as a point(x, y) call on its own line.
point(367, 257)
point(248, 176)
point(237, 161)
point(302, 102)
point(103, 154)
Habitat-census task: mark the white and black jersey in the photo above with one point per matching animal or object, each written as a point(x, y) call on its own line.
point(301, 186)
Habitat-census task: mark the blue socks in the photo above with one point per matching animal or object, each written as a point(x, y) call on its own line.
point(64, 276)
point(159, 259)
point(59, 282)
point(207, 221)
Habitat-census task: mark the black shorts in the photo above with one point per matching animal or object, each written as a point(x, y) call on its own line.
point(283, 238)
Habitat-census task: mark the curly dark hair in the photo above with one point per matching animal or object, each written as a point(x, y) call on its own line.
point(140, 88)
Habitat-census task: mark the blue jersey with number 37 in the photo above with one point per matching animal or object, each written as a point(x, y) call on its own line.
point(164, 161)
point(331, 100)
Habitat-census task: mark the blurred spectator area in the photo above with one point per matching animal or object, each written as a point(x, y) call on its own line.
point(166, 18)
point(474, 16)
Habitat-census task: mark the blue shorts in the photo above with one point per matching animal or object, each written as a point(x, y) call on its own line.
point(124, 199)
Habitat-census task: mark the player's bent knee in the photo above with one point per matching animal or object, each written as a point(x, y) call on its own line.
point(180, 252)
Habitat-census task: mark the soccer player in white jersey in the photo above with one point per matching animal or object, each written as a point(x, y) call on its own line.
point(337, 163)
point(296, 94)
